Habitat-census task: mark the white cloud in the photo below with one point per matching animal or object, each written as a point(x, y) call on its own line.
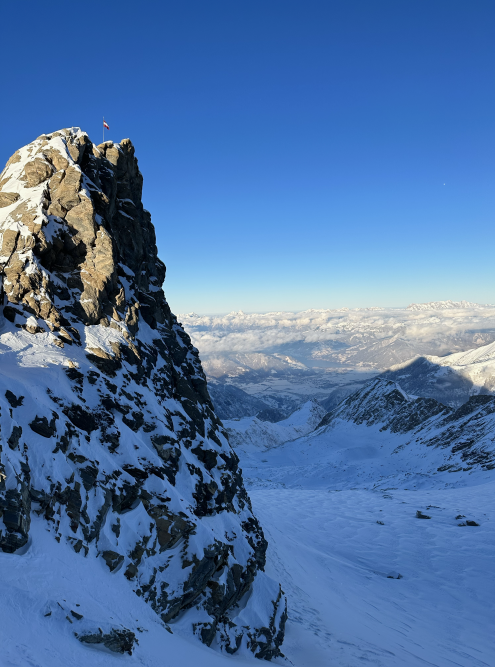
point(241, 332)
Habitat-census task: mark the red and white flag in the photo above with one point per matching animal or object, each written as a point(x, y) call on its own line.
point(106, 125)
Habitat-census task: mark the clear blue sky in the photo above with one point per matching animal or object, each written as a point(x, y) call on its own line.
point(296, 154)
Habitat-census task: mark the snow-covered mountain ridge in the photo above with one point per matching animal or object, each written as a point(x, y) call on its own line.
point(466, 433)
point(404, 436)
point(284, 359)
point(253, 433)
point(451, 379)
point(111, 452)
point(446, 305)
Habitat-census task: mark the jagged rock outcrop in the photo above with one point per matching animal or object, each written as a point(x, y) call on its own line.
point(108, 434)
point(384, 402)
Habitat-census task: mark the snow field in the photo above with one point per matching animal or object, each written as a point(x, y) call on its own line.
point(334, 559)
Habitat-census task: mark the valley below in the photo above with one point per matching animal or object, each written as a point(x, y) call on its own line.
point(279, 360)
point(380, 512)
point(366, 579)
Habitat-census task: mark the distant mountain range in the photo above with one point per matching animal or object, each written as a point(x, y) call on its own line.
point(446, 305)
point(284, 359)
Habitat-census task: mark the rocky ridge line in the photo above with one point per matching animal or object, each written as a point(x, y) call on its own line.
point(467, 431)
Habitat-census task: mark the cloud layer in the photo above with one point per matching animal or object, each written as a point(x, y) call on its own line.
point(430, 331)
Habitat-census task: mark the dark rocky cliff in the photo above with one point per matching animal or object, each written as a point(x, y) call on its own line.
point(108, 434)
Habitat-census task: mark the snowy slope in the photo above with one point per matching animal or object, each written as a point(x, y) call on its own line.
point(45, 588)
point(334, 560)
point(476, 365)
point(250, 433)
point(451, 379)
point(368, 581)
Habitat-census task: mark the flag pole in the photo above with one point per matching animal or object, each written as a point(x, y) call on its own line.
point(103, 129)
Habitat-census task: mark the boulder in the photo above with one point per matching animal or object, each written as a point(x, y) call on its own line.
point(36, 171)
point(117, 640)
point(8, 198)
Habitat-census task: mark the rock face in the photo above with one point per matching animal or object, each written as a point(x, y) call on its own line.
point(233, 403)
point(108, 434)
point(466, 431)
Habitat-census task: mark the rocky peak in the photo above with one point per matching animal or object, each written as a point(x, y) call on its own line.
point(77, 242)
point(107, 431)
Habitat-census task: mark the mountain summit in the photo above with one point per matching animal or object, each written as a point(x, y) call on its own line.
point(109, 441)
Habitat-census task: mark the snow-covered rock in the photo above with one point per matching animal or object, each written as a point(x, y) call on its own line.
point(451, 379)
point(252, 434)
point(110, 447)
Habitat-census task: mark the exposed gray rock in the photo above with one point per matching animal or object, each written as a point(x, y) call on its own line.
point(15, 506)
point(117, 640)
point(112, 559)
point(14, 401)
point(43, 427)
point(468, 522)
point(14, 437)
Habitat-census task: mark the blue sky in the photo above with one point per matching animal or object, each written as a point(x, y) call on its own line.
point(296, 154)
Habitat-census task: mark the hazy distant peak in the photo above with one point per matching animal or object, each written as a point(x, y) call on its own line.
point(445, 305)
